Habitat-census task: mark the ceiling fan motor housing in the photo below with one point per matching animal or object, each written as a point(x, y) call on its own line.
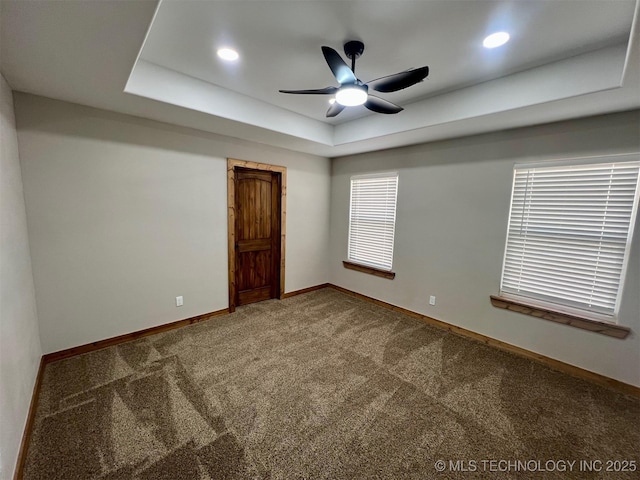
point(353, 49)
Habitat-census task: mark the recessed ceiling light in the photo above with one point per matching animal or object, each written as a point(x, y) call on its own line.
point(228, 54)
point(495, 40)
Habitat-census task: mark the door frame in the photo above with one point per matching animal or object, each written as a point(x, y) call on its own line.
point(232, 164)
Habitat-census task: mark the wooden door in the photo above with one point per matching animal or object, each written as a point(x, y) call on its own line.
point(257, 235)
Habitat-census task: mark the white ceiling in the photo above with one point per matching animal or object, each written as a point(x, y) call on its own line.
point(566, 59)
point(280, 42)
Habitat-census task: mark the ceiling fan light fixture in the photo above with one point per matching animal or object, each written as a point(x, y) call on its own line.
point(351, 95)
point(495, 40)
point(228, 54)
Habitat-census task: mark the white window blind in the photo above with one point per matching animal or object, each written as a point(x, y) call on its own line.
point(569, 235)
point(372, 219)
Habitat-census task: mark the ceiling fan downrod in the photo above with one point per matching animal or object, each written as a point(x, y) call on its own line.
point(353, 49)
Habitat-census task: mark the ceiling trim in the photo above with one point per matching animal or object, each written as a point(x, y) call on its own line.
point(577, 76)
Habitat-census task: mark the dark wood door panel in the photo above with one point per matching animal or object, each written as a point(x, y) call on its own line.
point(257, 235)
point(254, 208)
point(255, 295)
point(254, 245)
point(245, 173)
point(254, 270)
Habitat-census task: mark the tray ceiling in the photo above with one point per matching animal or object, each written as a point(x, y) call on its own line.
point(158, 60)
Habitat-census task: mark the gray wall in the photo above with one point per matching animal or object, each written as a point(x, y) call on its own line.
point(453, 203)
point(20, 350)
point(125, 214)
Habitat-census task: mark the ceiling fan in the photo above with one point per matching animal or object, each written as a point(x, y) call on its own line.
point(353, 91)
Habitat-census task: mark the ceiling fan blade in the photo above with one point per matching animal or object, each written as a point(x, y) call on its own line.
point(335, 109)
point(340, 69)
point(317, 91)
point(379, 105)
point(398, 81)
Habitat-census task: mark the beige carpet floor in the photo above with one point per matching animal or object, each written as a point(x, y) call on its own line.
point(326, 386)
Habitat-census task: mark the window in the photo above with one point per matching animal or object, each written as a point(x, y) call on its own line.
point(569, 234)
point(372, 219)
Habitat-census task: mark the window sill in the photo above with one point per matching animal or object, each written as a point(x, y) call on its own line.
point(370, 270)
point(603, 328)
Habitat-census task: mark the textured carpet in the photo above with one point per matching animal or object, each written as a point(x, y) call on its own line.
point(320, 385)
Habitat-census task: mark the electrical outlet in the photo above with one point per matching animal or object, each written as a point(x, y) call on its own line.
point(432, 300)
point(179, 301)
